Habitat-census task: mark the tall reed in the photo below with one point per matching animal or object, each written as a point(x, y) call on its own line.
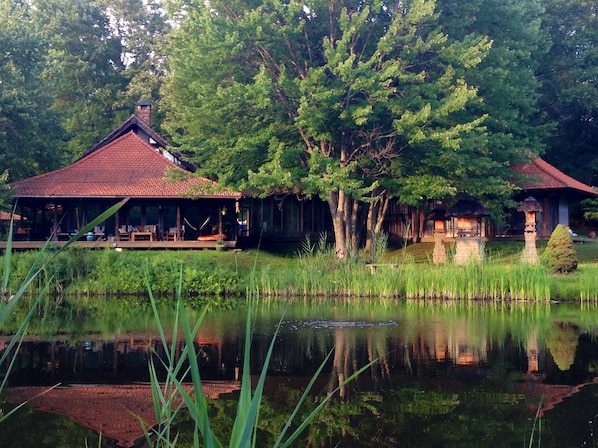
point(588, 282)
point(170, 395)
point(10, 301)
point(316, 274)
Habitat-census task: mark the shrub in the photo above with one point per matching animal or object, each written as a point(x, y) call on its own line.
point(560, 256)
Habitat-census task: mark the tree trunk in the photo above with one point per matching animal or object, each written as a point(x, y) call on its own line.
point(355, 227)
point(345, 211)
point(347, 214)
point(337, 204)
point(375, 219)
point(369, 229)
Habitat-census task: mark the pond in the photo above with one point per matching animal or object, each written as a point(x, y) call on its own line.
point(447, 374)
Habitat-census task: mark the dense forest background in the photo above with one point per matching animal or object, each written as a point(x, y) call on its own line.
point(232, 82)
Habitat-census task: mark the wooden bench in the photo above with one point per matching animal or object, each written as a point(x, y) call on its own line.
point(374, 266)
point(142, 236)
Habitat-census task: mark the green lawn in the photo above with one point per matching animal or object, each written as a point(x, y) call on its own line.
point(495, 250)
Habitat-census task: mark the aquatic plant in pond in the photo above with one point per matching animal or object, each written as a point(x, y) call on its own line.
point(588, 282)
point(316, 276)
point(10, 302)
point(478, 281)
point(170, 395)
point(312, 272)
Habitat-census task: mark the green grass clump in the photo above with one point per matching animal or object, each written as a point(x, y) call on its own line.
point(311, 271)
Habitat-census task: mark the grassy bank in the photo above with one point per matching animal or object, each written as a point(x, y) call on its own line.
point(404, 273)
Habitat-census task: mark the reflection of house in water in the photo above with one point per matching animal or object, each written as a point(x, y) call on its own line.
point(533, 358)
point(110, 410)
point(455, 346)
point(122, 359)
point(561, 345)
point(550, 395)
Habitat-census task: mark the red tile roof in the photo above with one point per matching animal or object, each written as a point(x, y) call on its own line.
point(5, 216)
point(110, 410)
point(125, 167)
point(540, 175)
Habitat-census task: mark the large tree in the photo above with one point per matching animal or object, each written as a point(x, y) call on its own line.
point(83, 70)
point(26, 123)
point(141, 26)
point(507, 82)
point(569, 73)
point(322, 98)
point(70, 71)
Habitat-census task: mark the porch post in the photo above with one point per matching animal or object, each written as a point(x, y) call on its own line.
point(116, 226)
point(178, 222)
point(55, 230)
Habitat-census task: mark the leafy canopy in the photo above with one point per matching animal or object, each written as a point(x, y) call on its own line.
point(324, 96)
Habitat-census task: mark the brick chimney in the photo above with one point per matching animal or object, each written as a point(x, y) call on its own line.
point(144, 112)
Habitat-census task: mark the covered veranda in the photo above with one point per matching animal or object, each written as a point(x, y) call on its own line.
point(141, 224)
point(164, 204)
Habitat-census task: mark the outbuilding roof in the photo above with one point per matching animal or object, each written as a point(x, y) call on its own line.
point(126, 166)
point(540, 175)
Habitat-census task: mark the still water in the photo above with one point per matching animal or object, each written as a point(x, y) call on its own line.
point(447, 374)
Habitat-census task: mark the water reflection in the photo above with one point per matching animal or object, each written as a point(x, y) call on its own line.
point(447, 374)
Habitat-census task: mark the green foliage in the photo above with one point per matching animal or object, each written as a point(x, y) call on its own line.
point(559, 255)
point(27, 122)
point(82, 69)
point(212, 277)
point(110, 272)
point(569, 91)
point(590, 210)
point(333, 100)
point(506, 80)
point(71, 71)
point(142, 28)
point(5, 193)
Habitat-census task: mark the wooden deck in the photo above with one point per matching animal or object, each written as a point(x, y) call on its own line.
point(190, 244)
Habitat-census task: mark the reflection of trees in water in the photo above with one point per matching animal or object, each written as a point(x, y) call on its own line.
point(562, 343)
point(347, 361)
point(445, 373)
point(391, 405)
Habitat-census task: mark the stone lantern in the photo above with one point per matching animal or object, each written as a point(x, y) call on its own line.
point(469, 214)
point(530, 207)
point(438, 216)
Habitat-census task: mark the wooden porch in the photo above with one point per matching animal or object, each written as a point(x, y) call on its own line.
point(143, 245)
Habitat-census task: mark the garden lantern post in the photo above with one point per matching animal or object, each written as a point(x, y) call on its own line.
point(530, 207)
point(438, 216)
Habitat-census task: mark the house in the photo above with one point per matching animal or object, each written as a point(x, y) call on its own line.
point(284, 218)
point(164, 200)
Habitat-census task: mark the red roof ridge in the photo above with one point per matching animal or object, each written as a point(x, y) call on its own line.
point(131, 123)
point(125, 167)
point(123, 140)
